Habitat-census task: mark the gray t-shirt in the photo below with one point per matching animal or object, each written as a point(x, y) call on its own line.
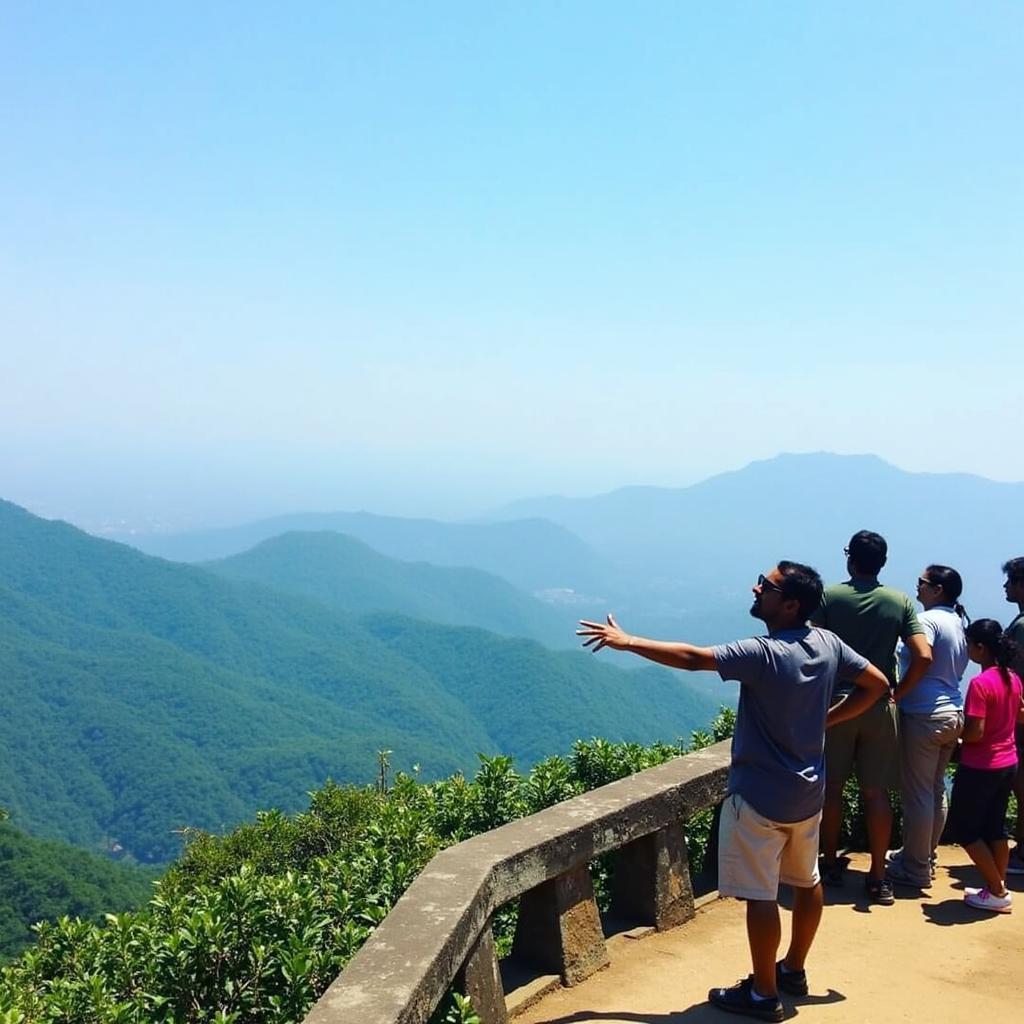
point(1016, 632)
point(778, 749)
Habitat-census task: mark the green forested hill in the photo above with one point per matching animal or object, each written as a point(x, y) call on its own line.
point(115, 736)
point(138, 695)
point(524, 693)
point(41, 879)
point(346, 574)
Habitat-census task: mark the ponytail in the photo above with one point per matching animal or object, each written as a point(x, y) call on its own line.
point(965, 619)
point(1006, 655)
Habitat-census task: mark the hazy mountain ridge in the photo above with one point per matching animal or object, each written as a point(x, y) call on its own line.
point(680, 561)
point(141, 695)
point(347, 575)
point(708, 541)
point(532, 554)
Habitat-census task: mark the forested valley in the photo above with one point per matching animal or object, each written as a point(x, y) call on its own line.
point(150, 706)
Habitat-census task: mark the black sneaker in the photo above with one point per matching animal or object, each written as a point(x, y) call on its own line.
point(834, 873)
point(740, 999)
point(879, 891)
point(793, 982)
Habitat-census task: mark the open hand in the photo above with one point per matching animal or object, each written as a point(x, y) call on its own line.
point(601, 634)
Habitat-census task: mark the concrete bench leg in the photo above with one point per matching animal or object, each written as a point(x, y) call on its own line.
point(559, 927)
point(652, 880)
point(480, 980)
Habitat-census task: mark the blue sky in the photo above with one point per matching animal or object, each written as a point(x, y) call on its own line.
point(429, 257)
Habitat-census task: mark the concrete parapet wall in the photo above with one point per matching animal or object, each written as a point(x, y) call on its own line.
point(441, 926)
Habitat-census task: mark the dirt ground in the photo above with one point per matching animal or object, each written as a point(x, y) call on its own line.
point(928, 958)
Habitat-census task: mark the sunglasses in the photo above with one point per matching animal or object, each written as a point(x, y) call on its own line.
point(766, 584)
point(923, 581)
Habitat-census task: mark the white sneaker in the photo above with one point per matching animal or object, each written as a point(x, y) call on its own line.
point(984, 900)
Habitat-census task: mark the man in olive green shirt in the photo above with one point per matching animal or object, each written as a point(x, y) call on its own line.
point(872, 619)
point(1014, 589)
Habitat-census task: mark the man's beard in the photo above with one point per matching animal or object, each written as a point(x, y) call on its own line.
point(755, 609)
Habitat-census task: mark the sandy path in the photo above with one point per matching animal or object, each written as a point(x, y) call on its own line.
point(924, 959)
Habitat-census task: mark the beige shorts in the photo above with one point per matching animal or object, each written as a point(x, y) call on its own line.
point(756, 853)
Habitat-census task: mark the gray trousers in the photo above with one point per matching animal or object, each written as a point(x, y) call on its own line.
point(927, 743)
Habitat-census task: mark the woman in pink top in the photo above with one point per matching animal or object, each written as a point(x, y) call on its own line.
point(988, 763)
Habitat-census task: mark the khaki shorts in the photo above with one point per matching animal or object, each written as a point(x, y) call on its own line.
point(869, 745)
point(755, 853)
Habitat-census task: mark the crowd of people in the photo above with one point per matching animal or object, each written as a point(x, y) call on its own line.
point(851, 681)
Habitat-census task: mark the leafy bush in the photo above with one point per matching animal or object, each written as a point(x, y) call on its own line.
point(252, 926)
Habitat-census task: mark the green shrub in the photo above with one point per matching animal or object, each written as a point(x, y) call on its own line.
point(250, 927)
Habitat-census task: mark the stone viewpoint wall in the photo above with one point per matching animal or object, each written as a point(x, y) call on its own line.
point(440, 930)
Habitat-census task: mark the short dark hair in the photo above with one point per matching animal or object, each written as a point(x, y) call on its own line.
point(801, 583)
point(868, 551)
point(1014, 568)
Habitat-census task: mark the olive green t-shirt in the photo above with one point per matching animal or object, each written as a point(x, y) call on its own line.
point(1015, 630)
point(871, 618)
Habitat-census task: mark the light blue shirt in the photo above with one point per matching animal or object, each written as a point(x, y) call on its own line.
point(940, 689)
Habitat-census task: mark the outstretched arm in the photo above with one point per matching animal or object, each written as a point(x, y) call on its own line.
point(674, 655)
point(870, 685)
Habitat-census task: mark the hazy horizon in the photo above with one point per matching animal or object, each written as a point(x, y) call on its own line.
point(186, 495)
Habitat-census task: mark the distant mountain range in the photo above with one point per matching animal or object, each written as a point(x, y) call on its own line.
point(140, 695)
point(706, 543)
point(680, 561)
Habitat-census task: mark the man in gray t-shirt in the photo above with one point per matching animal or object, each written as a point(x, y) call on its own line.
point(778, 750)
point(771, 816)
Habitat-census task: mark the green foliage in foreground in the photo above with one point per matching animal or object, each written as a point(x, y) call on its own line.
point(252, 926)
point(42, 880)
